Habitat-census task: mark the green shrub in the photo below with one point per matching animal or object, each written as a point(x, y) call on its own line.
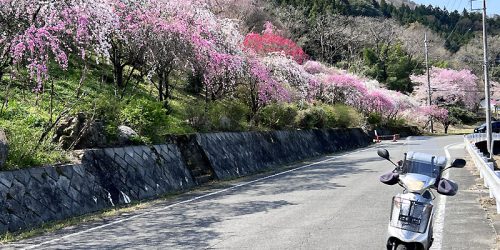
point(228, 115)
point(374, 119)
point(314, 117)
point(194, 84)
point(278, 116)
point(147, 117)
point(346, 116)
point(196, 116)
point(334, 115)
point(396, 123)
point(23, 134)
point(461, 115)
point(328, 116)
point(221, 115)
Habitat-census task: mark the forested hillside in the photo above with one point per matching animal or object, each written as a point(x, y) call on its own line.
point(457, 27)
point(80, 74)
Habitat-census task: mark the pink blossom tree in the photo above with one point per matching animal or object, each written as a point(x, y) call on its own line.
point(449, 87)
point(292, 75)
point(261, 88)
point(219, 57)
point(314, 67)
point(342, 88)
point(39, 31)
point(378, 101)
point(438, 114)
point(166, 41)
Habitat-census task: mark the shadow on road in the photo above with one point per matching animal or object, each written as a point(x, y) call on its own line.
point(188, 226)
point(319, 177)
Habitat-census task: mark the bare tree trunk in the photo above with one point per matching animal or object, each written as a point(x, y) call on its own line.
point(160, 87)
point(167, 84)
point(118, 66)
point(206, 100)
point(118, 74)
point(6, 98)
point(52, 125)
point(80, 83)
point(52, 99)
point(127, 82)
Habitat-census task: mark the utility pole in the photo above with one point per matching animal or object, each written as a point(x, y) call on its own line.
point(487, 98)
point(428, 78)
point(487, 85)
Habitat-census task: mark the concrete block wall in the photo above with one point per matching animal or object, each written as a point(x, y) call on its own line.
point(238, 154)
point(139, 172)
point(105, 178)
point(30, 197)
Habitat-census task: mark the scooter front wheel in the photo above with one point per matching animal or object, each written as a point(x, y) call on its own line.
point(402, 247)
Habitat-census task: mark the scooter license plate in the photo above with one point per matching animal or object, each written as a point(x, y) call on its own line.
point(409, 219)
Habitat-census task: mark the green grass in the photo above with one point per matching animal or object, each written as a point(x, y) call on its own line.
point(27, 114)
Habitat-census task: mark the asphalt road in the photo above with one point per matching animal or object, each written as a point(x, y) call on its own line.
point(335, 202)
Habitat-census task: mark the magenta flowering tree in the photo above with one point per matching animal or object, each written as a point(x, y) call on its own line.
point(39, 31)
point(342, 88)
point(166, 42)
point(378, 101)
point(292, 75)
point(219, 57)
point(403, 106)
point(222, 74)
point(314, 67)
point(437, 113)
point(269, 42)
point(260, 86)
point(449, 87)
point(130, 31)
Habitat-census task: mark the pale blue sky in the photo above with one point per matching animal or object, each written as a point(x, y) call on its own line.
point(492, 6)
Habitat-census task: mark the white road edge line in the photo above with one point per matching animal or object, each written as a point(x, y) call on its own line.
point(194, 199)
point(440, 211)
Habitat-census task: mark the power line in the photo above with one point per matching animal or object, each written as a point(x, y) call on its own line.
point(454, 27)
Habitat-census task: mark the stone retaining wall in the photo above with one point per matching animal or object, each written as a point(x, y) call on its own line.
point(107, 177)
point(32, 196)
point(238, 154)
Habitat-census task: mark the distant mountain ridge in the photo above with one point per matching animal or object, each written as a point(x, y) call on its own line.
point(399, 3)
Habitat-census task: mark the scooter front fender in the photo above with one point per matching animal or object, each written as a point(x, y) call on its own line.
point(424, 239)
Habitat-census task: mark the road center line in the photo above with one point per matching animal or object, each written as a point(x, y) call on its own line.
point(193, 199)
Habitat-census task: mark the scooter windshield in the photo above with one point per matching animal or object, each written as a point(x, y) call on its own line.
point(422, 168)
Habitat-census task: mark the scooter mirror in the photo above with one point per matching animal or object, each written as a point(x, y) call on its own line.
point(458, 163)
point(382, 152)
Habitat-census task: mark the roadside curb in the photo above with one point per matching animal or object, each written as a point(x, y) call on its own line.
point(488, 207)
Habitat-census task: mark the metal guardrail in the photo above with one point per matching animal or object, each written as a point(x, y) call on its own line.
point(486, 169)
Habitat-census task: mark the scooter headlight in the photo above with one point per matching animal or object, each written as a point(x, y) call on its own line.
point(415, 185)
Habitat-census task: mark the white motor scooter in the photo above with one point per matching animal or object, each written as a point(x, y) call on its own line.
point(412, 212)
